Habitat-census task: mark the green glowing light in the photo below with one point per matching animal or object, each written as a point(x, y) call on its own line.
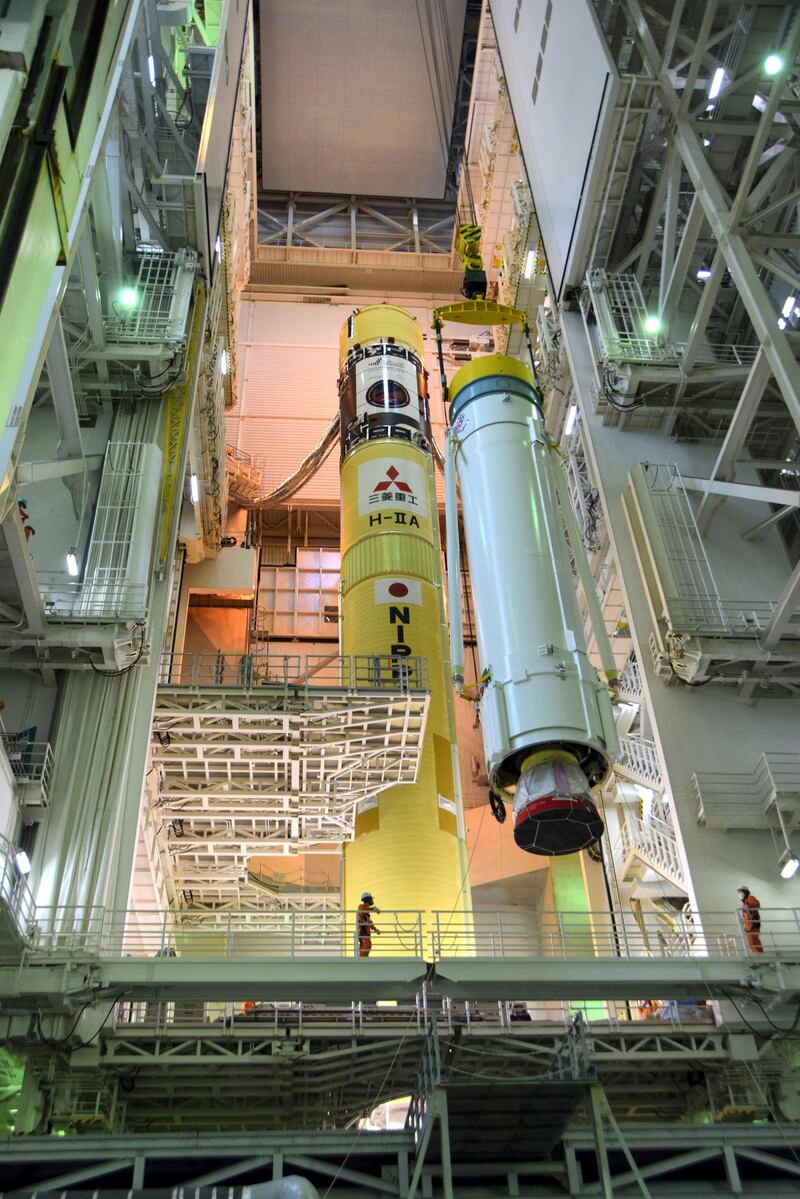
point(129, 297)
point(773, 63)
point(652, 324)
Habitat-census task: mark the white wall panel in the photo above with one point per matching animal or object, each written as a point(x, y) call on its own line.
point(561, 130)
point(289, 366)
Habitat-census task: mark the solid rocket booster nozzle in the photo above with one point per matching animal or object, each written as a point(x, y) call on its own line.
point(553, 809)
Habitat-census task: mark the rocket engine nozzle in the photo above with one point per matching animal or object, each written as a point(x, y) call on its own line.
point(553, 809)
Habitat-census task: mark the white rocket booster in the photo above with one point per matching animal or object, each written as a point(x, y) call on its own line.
point(548, 728)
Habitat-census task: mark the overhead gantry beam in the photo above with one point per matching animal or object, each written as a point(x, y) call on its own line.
point(327, 979)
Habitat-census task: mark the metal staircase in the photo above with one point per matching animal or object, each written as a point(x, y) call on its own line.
point(629, 684)
point(638, 762)
point(650, 844)
point(244, 479)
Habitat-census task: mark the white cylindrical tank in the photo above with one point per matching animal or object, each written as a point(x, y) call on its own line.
point(548, 728)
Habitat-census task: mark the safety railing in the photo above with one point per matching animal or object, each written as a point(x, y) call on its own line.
point(572, 935)
point(505, 1017)
point(92, 601)
point(31, 762)
point(639, 757)
point(227, 936)
point(15, 895)
point(362, 672)
point(731, 799)
point(723, 617)
point(306, 935)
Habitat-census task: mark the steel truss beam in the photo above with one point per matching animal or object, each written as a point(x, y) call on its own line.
point(686, 1159)
point(355, 223)
point(723, 215)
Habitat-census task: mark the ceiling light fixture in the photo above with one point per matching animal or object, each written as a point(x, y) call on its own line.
point(788, 305)
point(22, 862)
point(72, 563)
point(151, 69)
point(773, 63)
point(789, 864)
point(128, 297)
point(194, 489)
point(530, 259)
point(703, 274)
point(218, 247)
point(652, 323)
point(223, 362)
point(717, 80)
point(572, 417)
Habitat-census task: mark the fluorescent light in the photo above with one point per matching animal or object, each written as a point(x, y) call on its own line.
point(194, 488)
point(572, 416)
point(703, 274)
point(717, 80)
point(223, 362)
point(706, 141)
point(781, 323)
point(773, 63)
point(790, 867)
point(759, 102)
point(652, 324)
point(128, 297)
point(788, 305)
point(218, 247)
point(530, 259)
point(72, 564)
point(23, 862)
point(151, 69)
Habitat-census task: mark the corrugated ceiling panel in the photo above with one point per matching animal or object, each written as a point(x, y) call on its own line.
point(358, 96)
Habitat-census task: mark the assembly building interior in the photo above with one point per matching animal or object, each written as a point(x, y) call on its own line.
point(399, 598)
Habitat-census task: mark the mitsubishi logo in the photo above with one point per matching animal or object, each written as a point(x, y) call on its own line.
point(392, 475)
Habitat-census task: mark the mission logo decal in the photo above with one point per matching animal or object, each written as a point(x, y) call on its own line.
point(387, 393)
point(386, 381)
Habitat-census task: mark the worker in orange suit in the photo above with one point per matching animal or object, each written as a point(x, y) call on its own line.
point(751, 919)
point(364, 924)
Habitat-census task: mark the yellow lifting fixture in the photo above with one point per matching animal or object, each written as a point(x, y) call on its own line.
point(479, 312)
point(468, 248)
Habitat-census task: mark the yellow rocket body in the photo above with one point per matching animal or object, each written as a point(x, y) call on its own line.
point(408, 849)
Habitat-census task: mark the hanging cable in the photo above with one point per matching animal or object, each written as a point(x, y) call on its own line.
point(692, 683)
point(305, 471)
point(115, 674)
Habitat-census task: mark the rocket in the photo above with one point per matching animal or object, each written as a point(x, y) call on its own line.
point(408, 846)
point(547, 724)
